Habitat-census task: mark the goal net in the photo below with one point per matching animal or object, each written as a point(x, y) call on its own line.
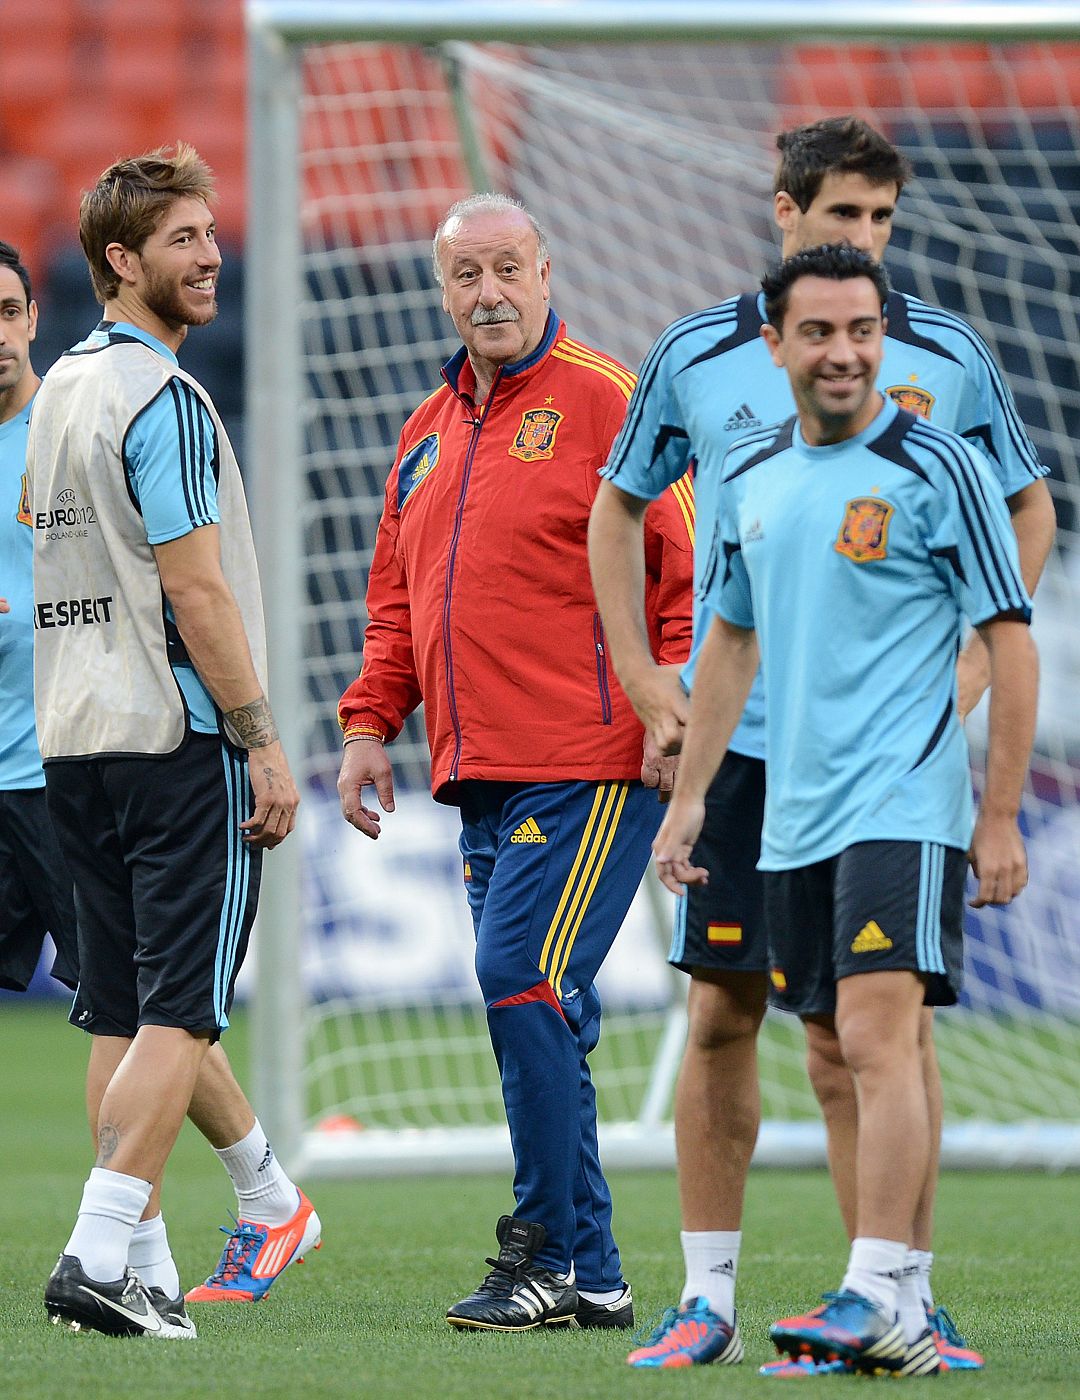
point(650, 164)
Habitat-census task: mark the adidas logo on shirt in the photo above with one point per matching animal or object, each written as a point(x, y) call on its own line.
point(870, 939)
point(528, 834)
point(744, 418)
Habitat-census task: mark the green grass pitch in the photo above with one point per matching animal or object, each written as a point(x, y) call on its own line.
point(364, 1316)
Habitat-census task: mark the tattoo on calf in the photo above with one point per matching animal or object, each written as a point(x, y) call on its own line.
point(254, 724)
point(108, 1141)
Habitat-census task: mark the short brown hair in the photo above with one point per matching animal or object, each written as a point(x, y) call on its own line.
point(128, 201)
point(837, 145)
point(837, 262)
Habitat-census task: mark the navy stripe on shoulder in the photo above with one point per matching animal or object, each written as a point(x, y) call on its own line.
point(747, 329)
point(899, 313)
point(923, 320)
point(714, 318)
point(107, 335)
point(769, 441)
point(192, 448)
point(1002, 582)
point(129, 473)
point(890, 443)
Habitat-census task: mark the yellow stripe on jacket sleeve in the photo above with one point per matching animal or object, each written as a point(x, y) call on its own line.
point(620, 378)
point(599, 359)
point(683, 491)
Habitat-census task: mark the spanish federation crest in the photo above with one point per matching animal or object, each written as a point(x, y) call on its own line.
point(864, 533)
point(914, 399)
point(535, 441)
point(24, 517)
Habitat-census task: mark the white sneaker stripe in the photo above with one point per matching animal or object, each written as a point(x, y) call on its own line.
point(274, 1256)
point(546, 1300)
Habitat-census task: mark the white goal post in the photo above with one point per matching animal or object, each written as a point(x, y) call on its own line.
point(642, 135)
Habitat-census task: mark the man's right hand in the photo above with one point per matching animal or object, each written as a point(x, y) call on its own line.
point(662, 706)
point(363, 764)
point(674, 845)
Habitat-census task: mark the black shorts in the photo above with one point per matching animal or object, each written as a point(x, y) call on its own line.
point(165, 888)
point(721, 925)
point(35, 893)
point(875, 907)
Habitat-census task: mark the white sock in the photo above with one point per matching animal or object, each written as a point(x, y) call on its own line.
point(264, 1192)
point(111, 1207)
point(910, 1303)
point(151, 1258)
point(923, 1259)
point(612, 1295)
point(712, 1261)
point(874, 1270)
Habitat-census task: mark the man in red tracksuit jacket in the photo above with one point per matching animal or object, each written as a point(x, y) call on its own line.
point(480, 605)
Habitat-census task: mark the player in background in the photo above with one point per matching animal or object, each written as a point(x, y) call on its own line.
point(705, 384)
point(480, 605)
point(144, 660)
point(849, 544)
point(35, 889)
point(35, 886)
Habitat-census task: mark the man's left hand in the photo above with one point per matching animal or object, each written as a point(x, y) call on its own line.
point(999, 861)
point(674, 846)
point(658, 770)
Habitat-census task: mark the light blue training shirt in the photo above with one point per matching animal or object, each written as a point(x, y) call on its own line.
point(20, 758)
point(709, 380)
point(857, 564)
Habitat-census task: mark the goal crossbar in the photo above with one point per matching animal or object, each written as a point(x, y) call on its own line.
point(569, 21)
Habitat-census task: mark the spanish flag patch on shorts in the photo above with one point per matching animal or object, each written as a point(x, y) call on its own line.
point(725, 933)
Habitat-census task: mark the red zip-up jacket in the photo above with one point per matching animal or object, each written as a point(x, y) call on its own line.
point(479, 598)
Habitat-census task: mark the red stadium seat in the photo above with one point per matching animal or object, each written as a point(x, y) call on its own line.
point(1047, 77)
point(26, 217)
point(145, 92)
point(84, 148)
point(818, 81)
point(158, 25)
point(42, 24)
point(944, 77)
point(35, 79)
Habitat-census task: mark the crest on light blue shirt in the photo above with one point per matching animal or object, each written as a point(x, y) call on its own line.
point(911, 397)
point(864, 531)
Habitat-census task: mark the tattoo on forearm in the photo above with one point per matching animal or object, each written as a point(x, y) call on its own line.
point(108, 1139)
point(254, 724)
